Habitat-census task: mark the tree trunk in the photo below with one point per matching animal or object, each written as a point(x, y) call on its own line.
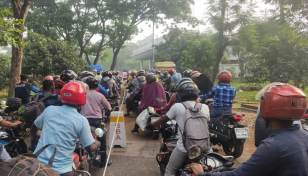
point(222, 44)
point(114, 59)
point(100, 46)
point(20, 12)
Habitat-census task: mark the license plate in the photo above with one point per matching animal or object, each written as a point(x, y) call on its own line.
point(241, 133)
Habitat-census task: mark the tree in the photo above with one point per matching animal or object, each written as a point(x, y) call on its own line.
point(5, 70)
point(43, 56)
point(20, 12)
point(225, 17)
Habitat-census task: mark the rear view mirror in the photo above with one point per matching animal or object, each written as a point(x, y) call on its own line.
point(99, 132)
point(194, 152)
point(160, 100)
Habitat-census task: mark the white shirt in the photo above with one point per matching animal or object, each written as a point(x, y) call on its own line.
point(177, 112)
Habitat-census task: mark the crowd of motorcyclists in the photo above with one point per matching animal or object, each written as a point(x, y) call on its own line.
point(76, 102)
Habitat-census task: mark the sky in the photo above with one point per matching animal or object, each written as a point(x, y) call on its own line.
point(198, 11)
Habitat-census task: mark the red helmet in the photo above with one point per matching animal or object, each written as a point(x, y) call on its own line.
point(194, 72)
point(48, 78)
point(74, 94)
point(59, 82)
point(283, 101)
point(224, 76)
point(171, 70)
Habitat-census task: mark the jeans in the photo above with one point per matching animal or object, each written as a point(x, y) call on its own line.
point(3, 155)
point(176, 161)
point(220, 110)
point(97, 124)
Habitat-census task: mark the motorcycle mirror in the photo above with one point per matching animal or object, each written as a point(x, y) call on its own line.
point(194, 152)
point(160, 100)
point(99, 132)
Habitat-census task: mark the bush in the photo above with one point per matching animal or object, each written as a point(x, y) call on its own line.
point(5, 64)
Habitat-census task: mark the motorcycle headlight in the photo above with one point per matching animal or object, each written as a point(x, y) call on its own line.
point(99, 132)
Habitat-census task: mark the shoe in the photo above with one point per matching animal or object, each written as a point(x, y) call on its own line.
point(102, 165)
point(135, 131)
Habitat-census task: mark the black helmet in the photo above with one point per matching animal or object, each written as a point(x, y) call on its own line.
point(187, 90)
point(56, 77)
point(68, 75)
point(87, 74)
point(92, 82)
point(107, 73)
point(187, 73)
point(114, 73)
point(151, 77)
point(165, 73)
point(141, 72)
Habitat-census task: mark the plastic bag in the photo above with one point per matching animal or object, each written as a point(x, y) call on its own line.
point(142, 119)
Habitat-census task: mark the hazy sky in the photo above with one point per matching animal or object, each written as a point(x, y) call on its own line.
point(199, 11)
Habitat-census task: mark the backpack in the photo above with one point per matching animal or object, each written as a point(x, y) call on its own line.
point(28, 165)
point(195, 130)
point(34, 109)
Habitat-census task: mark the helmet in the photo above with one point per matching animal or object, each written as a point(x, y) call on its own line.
point(182, 80)
point(187, 73)
point(171, 70)
point(68, 75)
point(87, 74)
point(165, 73)
point(92, 82)
point(59, 83)
point(141, 72)
point(150, 78)
point(283, 101)
point(186, 89)
point(133, 72)
point(114, 73)
point(48, 78)
point(94, 71)
point(56, 77)
point(152, 71)
point(194, 72)
point(81, 73)
point(74, 94)
point(224, 76)
point(107, 73)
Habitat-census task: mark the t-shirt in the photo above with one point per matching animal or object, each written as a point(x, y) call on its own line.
point(124, 75)
point(61, 126)
point(22, 91)
point(92, 108)
point(177, 112)
point(176, 77)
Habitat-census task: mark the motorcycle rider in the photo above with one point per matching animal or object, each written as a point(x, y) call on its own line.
point(166, 80)
point(108, 83)
point(203, 82)
point(68, 75)
point(187, 73)
point(135, 85)
point(150, 91)
point(64, 130)
point(100, 87)
point(187, 92)
point(133, 74)
point(284, 152)
point(23, 89)
point(223, 94)
point(58, 86)
point(124, 75)
point(93, 112)
point(175, 79)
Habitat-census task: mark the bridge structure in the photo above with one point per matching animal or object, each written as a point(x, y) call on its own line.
point(146, 50)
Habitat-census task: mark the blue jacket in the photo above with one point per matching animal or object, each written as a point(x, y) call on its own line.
point(102, 90)
point(283, 153)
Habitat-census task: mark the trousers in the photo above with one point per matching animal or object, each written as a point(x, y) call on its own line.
point(176, 161)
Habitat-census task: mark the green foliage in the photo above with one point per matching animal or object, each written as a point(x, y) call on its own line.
point(44, 56)
point(5, 64)
point(187, 49)
point(8, 31)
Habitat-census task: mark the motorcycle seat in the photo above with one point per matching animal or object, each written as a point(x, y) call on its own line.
point(223, 158)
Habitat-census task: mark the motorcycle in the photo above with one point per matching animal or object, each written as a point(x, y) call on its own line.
point(12, 137)
point(80, 160)
point(169, 131)
point(153, 116)
point(210, 161)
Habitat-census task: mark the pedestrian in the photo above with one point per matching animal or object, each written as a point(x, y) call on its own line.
point(23, 89)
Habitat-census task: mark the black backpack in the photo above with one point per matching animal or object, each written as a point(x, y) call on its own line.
point(34, 109)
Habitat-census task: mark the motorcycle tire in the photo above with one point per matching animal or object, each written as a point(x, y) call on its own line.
point(86, 168)
point(234, 148)
point(163, 165)
point(155, 136)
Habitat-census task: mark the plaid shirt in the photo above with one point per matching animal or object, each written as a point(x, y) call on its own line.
point(223, 93)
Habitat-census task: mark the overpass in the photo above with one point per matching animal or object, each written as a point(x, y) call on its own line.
point(146, 50)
